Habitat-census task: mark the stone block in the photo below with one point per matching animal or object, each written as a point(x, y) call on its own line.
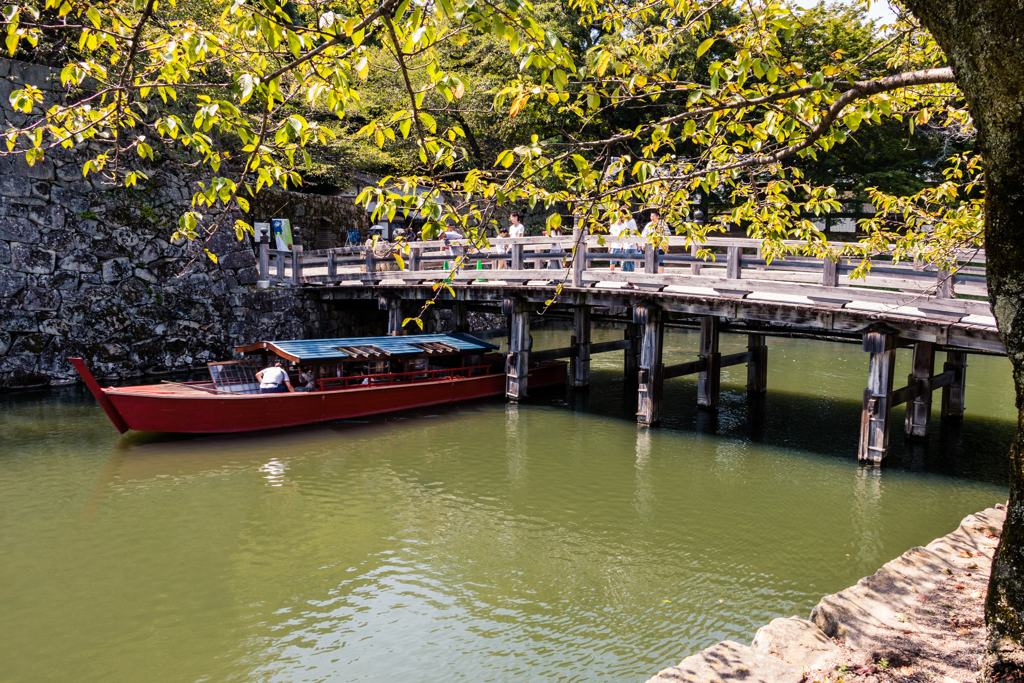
point(5, 342)
point(11, 283)
point(72, 201)
point(56, 327)
point(133, 291)
point(60, 241)
point(19, 230)
point(248, 276)
point(80, 262)
point(29, 259)
point(238, 259)
point(42, 77)
point(50, 216)
point(126, 237)
point(727, 662)
point(796, 641)
point(116, 269)
point(18, 321)
point(5, 253)
point(15, 186)
point(145, 275)
point(152, 251)
point(40, 299)
point(69, 173)
point(40, 170)
point(41, 190)
point(31, 343)
point(59, 280)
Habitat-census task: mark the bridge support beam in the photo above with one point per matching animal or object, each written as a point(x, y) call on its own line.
point(460, 320)
point(631, 356)
point(393, 306)
point(954, 393)
point(710, 378)
point(874, 419)
point(518, 363)
point(757, 366)
point(580, 361)
point(650, 377)
point(919, 409)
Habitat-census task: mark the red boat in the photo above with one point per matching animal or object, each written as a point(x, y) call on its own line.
point(352, 377)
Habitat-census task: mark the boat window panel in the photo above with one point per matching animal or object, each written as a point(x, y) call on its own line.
point(235, 376)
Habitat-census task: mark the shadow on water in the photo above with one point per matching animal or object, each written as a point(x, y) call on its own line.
point(974, 449)
point(826, 426)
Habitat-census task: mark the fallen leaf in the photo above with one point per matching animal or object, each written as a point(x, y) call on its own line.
point(906, 671)
point(976, 595)
point(972, 565)
point(963, 554)
point(964, 631)
point(959, 586)
point(907, 631)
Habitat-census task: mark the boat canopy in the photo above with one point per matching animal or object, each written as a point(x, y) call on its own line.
point(370, 348)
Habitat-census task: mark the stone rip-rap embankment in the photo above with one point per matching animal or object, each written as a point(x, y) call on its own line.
point(919, 618)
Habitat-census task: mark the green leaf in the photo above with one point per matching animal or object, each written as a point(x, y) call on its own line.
point(705, 46)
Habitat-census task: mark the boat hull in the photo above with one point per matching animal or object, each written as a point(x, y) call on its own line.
point(216, 414)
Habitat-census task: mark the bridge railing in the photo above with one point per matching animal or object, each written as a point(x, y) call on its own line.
point(736, 269)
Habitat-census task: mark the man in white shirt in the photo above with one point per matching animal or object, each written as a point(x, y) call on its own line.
point(625, 230)
point(515, 229)
point(655, 227)
point(274, 380)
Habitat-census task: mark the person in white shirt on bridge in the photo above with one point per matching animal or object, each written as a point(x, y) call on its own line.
point(624, 232)
point(655, 227)
point(515, 229)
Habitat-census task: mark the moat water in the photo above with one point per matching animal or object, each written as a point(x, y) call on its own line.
point(549, 541)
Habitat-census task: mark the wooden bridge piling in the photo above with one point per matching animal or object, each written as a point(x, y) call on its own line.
point(919, 408)
point(518, 363)
point(631, 357)
point(953, 393)
point(757, 366)
point(649, 378)
point(874, 437)
point(580, 360)
point(709, 379)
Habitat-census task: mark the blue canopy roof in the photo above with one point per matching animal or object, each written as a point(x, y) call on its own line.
point(303, 350)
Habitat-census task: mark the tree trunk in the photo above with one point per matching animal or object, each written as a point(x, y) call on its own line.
point(982, 39)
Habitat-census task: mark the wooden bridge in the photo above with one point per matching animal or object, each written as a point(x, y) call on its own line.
point(897, 305)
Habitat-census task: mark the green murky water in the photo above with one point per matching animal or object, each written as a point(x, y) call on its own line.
point(550, 541)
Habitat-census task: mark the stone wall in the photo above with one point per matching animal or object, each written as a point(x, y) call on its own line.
point(340, 215)
point(90, 271)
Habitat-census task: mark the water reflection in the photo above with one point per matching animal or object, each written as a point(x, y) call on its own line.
point(550, 540)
